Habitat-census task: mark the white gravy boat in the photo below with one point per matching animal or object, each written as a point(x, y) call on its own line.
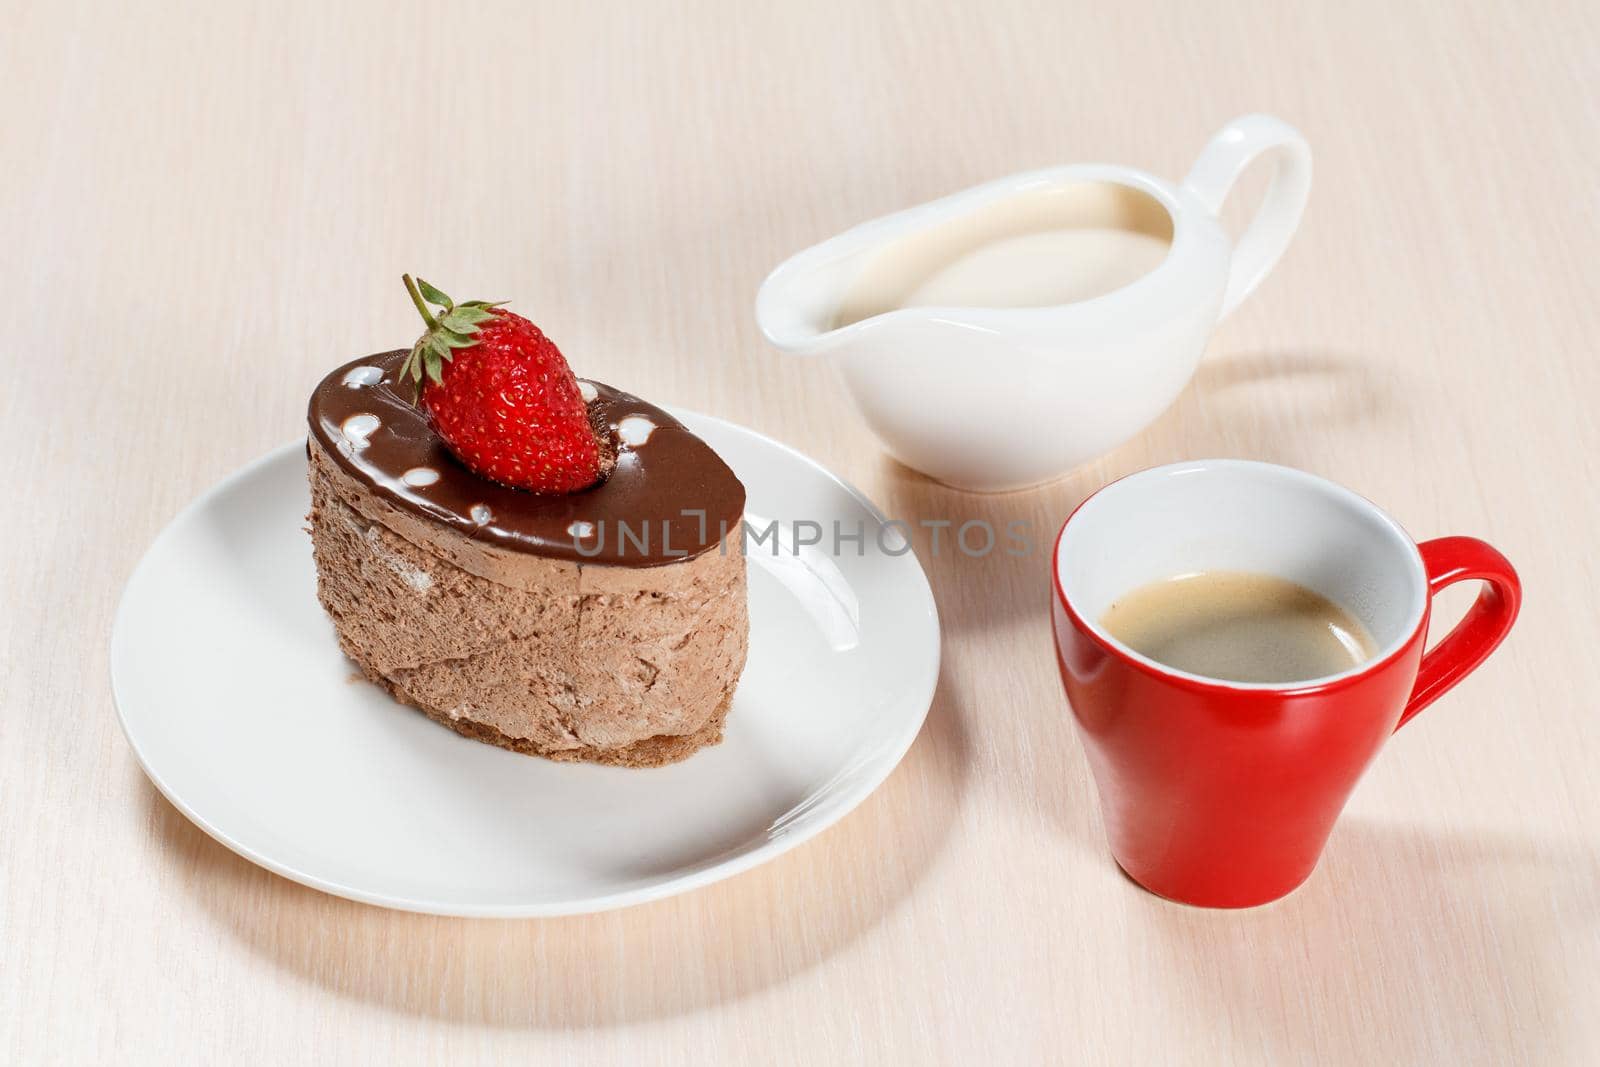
point(1012, 389)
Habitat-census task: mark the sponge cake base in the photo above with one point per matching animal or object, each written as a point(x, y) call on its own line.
point(572, 661)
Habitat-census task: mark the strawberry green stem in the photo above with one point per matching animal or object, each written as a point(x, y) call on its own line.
point(422, 308)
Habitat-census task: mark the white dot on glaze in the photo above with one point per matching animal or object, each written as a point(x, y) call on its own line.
point(580, 530)
point(587, 391)
point(420, 476)
point(356, 377)
point(357, 428)
point(635, 430)
point(481, 514)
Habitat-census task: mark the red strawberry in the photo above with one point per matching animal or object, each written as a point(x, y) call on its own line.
point(499, 393)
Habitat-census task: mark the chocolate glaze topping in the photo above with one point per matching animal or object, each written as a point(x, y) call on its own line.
point(365, 420)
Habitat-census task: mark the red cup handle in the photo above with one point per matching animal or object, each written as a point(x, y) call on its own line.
point(1448, 560)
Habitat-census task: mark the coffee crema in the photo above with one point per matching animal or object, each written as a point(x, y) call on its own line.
point(1237, 626)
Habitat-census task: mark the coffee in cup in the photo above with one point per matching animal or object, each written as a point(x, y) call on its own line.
point(1239, 626)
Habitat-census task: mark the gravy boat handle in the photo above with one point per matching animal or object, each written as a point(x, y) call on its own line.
point(1221, 162)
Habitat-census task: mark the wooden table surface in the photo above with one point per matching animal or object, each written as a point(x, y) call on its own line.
point(205, 206)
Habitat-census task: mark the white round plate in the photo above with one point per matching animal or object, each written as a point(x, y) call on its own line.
point(241, 709)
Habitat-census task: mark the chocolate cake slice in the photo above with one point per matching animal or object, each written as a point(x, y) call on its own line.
point(607, 625)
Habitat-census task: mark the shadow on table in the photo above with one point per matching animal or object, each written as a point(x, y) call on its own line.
point(1278, 406)
point(986, 554)
point(1403, 942)
point(667, 958)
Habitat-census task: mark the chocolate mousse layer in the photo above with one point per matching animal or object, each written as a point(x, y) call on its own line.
point(477, 604)
point(669, 498)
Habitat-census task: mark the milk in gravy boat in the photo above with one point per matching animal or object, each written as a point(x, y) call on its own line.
point(1001, 336)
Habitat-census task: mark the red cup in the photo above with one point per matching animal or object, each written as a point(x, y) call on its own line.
point(1222, 794)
